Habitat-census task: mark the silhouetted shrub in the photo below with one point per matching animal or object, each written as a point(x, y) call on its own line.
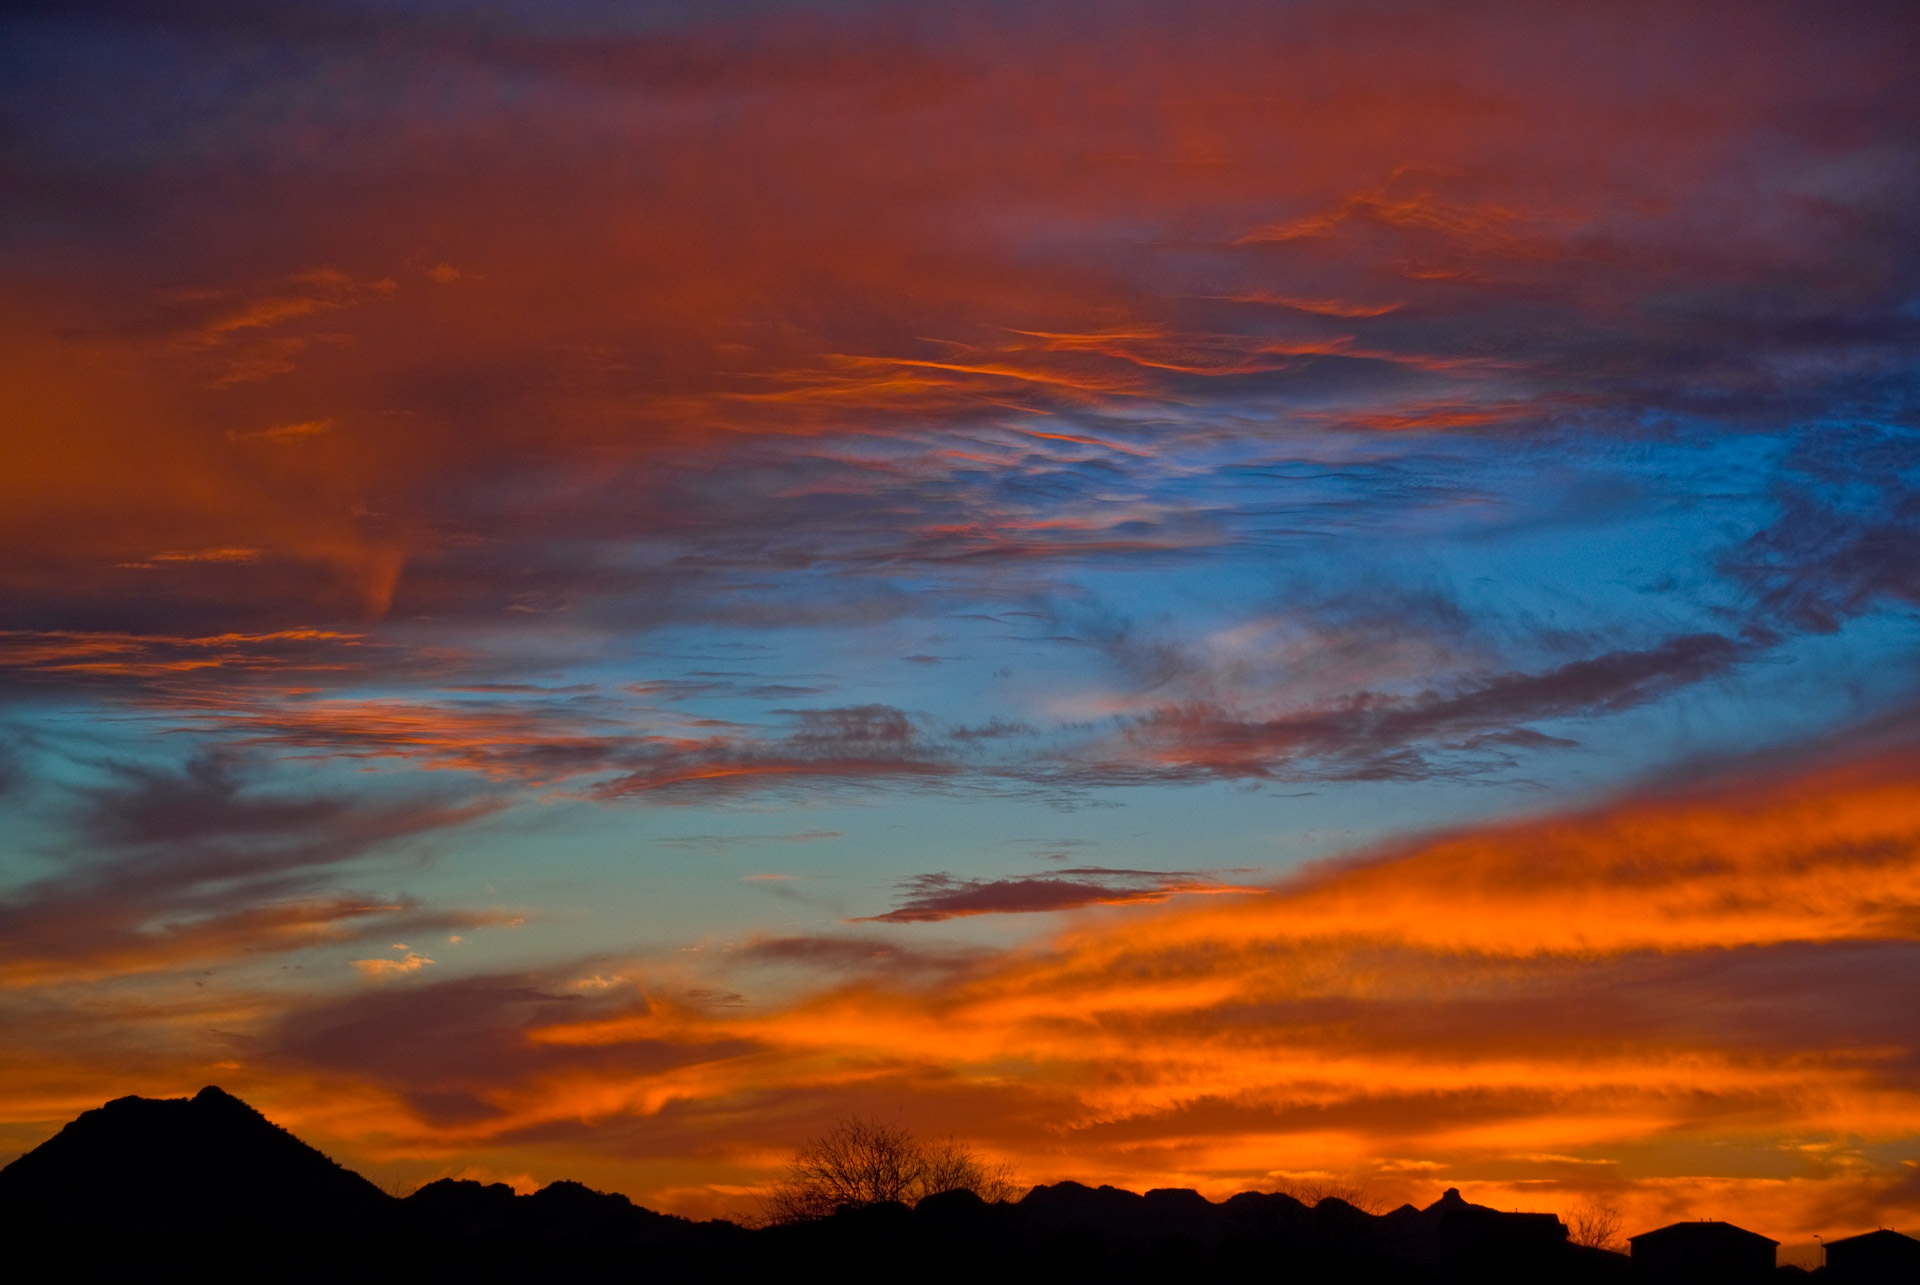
point(864, 1162)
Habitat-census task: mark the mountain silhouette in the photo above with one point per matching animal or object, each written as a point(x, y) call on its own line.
point(559, 1213)
point(167, 1165)
point(207, 1189)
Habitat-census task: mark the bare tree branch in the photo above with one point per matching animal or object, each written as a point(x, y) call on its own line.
point(1353, 1193)
point(864, 1162)
point(1596, 1224)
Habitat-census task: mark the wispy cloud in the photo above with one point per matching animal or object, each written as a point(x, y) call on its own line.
point(1026, 404)
point(1375, 736)
point(142, 656)
point(1515, 1007)
point(853, 743)
point(202, 865)
point(932, 898)
point(857, 955)
point(411, 961)
point(726, 842)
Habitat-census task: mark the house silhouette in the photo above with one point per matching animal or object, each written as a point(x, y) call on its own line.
point(1702, 1253)
point(1481, 1244)
point(1873, 1258)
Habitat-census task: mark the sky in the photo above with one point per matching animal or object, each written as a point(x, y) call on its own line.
point(1228, 595)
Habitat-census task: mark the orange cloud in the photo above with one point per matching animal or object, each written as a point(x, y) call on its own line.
point(411, 962)
point(1678, 1001)
point(149, 655)
point(817, 269)
point(496, 739)
point(854, 232)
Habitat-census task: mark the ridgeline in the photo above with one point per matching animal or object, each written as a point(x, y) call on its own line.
point(208, 1189)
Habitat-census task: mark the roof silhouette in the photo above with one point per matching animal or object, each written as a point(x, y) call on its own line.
point(1874, 1257)
point(1702, 1251)
point(1701, 1231)
point(1885, 1236)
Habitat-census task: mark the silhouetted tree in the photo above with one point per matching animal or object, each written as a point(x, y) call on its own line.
point(1595, 1224)
point(865, 1162)
point(951, 1165)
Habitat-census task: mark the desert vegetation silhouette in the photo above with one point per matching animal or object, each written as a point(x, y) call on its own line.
point(861, 1162)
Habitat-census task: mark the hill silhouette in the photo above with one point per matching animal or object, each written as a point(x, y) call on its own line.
point(206, 1188)
point(561, 1213)
point(163, 1165)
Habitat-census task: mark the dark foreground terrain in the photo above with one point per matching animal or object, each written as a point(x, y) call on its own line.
point(207, 1189)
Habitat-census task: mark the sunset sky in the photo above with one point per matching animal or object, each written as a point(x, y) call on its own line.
point(1198, 594)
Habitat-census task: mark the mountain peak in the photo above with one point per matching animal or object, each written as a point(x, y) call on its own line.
point(211, 1158)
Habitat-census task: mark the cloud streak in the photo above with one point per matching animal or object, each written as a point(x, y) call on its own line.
point(932, 898)
point(1517, 1008)
point(441, 442)
point(1457, 276)
point(1375, 736)
point(198, 866)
